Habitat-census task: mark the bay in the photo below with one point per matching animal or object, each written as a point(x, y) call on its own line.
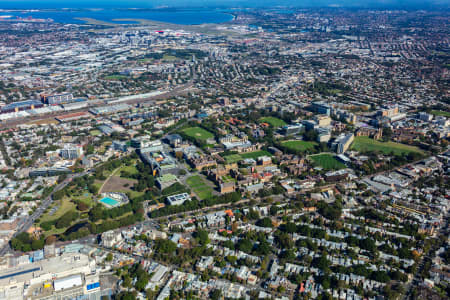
point(175, 16)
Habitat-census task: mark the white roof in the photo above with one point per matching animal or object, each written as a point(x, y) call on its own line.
point(67, 282)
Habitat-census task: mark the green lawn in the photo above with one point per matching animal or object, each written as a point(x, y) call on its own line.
point(441, 113)
point(64, 205)
point(198, 184)
point(238, 157)
point(299, 145)
point(129, 169)
point(228, 178)
point(115, 77)
point(275, 122)
point(85, 197)
point(327, 161)
point(366, 144)
point(169, 57)
point(133, 194)
point(198, 133)
point(255, 154)
point(95, 132)
point(233, 158)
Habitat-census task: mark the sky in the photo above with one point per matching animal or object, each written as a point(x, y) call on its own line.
point(411, 4)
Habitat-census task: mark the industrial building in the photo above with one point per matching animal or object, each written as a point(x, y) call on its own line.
point(69, 276)
point(104, 110)
point(21, 105)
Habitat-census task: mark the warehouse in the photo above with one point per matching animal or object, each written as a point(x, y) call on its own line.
point(21, 105)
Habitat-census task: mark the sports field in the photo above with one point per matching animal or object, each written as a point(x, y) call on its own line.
point(255, 154)
point(299, 145)
point(198, 133)
point(327, 161)
point(275, 122)
point(238, 157)
point(200, 187)
point(441, 113)
point(116, 77)
point(366, 144)
point(95, 132)
point(233, 158)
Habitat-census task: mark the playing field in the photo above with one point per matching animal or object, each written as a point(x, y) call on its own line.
point(366, 144)
point(233, 158)
point(198, 133)
point(255, 154)
point(95, 132)
point(441, 113)
point(327, 161)
point(116, 77)
point(169, 57)
point(200, 187)
point(238, 157)
point(275, 122)
point(299, 145)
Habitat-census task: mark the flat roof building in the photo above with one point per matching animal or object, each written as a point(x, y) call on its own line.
point(61, 277)
point(178, 199)
point(21, 105)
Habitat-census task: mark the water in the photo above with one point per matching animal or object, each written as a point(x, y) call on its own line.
point(412, 4)
point(178, 16)
point(75, 228)
point(109, 201)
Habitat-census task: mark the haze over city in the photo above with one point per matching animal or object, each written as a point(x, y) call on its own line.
point(411, 4)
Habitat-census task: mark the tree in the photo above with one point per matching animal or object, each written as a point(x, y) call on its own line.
point(165, 246)
point(263, 248)
point(37, 244)
point(231, 259)
point(127, 281)
point(321, 262)
point(288, 254)
point(264, 222)
point(216, 294)
point(245, 245)
point(284, 241)
point(290, 227)
point(93, 189)
point(109, 257)
point(58, 195)
point(126, 296)
point(367, 244)
point(387, 133)
point(81, 206)
point(50, 240)
point(202, 236)
point(253, 214)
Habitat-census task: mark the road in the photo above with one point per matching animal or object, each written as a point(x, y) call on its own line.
point(25, 225)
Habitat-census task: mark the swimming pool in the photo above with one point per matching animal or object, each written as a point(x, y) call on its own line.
point(108, 201)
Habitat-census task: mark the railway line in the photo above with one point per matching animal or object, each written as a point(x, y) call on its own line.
point(11, 123)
